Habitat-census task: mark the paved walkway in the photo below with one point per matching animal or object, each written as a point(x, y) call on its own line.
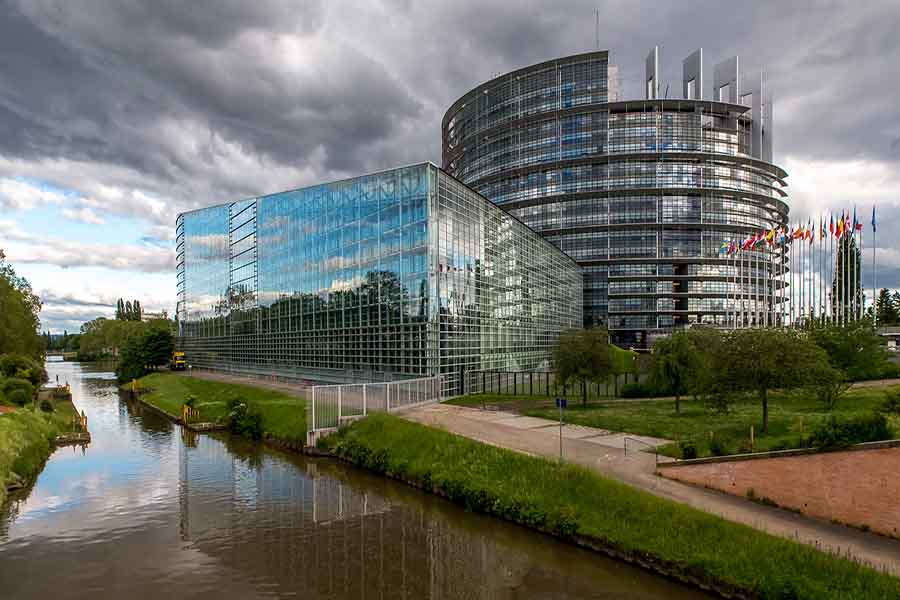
point(605, 452)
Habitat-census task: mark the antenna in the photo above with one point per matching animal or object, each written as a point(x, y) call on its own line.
point(667, 91)
point(597, 29)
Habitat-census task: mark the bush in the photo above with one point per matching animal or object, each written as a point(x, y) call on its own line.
point(688, 449)
point(18, 391)
point(46, 406)
point(22, 367)
point(642, 390)
point(838, 433)
point(718, 447)
point(244, 420)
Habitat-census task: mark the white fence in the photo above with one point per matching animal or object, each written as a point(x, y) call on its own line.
point(331, 405)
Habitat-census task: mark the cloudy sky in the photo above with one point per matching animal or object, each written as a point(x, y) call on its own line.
point(115, 115)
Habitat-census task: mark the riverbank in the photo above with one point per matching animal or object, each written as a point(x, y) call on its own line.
point(26, 440)
point(573, 503)
point(283, 415)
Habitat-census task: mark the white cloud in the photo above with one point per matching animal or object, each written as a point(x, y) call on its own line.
point(24, 248)
point(21, 195)
point(83, 215)
point(819, 187)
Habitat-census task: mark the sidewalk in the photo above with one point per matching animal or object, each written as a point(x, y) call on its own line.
point(605, 452)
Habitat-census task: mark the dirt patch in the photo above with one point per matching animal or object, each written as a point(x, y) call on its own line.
point(7, 409)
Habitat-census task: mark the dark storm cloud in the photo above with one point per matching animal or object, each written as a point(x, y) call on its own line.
point(147, 108)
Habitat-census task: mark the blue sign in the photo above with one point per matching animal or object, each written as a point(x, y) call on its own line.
point(561, 403)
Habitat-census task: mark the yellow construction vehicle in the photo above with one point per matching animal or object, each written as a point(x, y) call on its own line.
point(178, 362)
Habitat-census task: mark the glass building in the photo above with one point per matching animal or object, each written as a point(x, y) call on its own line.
point(402, 273)
point(641, 193)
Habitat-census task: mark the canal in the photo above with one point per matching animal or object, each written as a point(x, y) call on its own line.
point(149, 510)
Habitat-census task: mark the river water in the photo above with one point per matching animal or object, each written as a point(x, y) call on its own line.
point(149, 510)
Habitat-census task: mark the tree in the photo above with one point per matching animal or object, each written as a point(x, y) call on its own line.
point(846, 291)
point(855, 348)
point(136, 307)
point(886, 309)
point(759, 360)
point(132, 361)
point(120, 310)
point(19, 314)
point(674, 363)
point(583, 355)
point(158, 345)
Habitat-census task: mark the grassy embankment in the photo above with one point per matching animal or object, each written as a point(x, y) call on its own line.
point(283, 416)
point(26, 440)
point(790, 417)
point(572, 502)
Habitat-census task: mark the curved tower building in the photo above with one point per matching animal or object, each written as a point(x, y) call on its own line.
point(641, 193)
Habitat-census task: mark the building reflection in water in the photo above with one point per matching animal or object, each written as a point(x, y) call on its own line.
point(308, 526)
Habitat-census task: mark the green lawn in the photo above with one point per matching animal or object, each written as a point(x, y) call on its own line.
point(790, 416)
point(284, 416)
point(570, 500)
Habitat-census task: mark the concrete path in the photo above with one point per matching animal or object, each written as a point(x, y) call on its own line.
point(605, 452)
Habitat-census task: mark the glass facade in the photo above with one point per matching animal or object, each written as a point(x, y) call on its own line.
point(401, 273)
point(640, 193)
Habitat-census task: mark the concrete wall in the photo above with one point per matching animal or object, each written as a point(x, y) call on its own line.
point(859, 486)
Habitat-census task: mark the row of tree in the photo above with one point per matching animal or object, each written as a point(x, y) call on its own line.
point(719, 365)
point(128, 311)
point(105, 338)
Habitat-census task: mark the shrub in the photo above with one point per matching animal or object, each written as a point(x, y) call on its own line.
point(22, 367)
point(244, 420)
point(688, 449)
point(718, 447)
point(18, 391)
point(191, 401)
point(891, 404)
point(838, 433)
point(46, 406)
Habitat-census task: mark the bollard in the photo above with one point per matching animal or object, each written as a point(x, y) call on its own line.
point(752, 445)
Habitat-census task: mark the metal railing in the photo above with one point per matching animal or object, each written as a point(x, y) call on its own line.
point(330, 406)
point(639, 441)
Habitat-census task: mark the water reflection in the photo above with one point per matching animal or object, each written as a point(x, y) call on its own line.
point(150, 510)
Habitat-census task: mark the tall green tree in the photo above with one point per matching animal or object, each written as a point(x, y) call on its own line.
point(120, 310)
point(19, 314)
point(760, 360)
point(583, 356)
point(136, 307)
point(886, 310)
point(846, 291)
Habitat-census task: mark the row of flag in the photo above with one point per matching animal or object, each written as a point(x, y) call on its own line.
point(782, 236)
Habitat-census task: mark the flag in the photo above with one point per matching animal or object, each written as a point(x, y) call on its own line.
point(723, 248)
point(821, 229)
point(770, 237)
point(873, 218)
point(857, 226)
point(799, 234)
point(839, 230)
point(831, 225)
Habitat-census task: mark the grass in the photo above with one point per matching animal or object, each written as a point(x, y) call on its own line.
point(26, 440)
point(283, 415)
point(790, 417)
point(572, 501)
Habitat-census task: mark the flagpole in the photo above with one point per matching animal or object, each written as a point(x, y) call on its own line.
point(861, 302)
point(874, 274)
